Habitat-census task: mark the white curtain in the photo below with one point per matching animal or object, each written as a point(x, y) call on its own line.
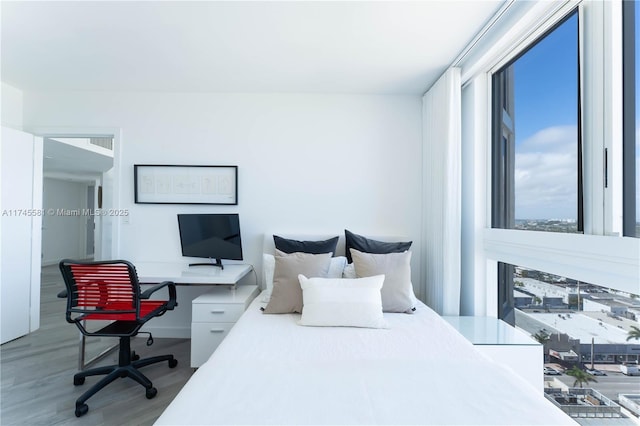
point(441, 109)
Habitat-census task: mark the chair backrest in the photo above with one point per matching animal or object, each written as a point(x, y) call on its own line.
point(108, 288)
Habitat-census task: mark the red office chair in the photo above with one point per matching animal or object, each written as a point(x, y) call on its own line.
point(110, 291)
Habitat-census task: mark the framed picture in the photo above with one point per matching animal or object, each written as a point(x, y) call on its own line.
point(174, 184)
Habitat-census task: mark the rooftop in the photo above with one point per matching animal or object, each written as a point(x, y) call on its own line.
point(583, 402)
point(587, 325)
point(539, 288)
point(614, 300)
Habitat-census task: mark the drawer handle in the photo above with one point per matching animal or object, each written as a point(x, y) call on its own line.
point(220, 311)
point(216, 330)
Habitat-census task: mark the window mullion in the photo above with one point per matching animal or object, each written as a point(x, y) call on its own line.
point(629, 122)
point(592, 106)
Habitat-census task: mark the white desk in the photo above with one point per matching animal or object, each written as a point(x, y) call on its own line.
point(193, 281)
point(182, 274)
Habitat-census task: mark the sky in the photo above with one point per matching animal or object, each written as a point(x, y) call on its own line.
point(546, 117)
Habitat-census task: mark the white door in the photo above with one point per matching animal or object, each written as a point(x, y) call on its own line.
point(21, 198)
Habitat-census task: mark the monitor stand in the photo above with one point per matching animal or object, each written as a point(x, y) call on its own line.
point(217, 263)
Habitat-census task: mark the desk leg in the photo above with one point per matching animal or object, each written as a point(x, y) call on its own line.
point(81, 353)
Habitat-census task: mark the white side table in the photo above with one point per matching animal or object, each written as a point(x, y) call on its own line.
point(504, 344)
point(213, 315)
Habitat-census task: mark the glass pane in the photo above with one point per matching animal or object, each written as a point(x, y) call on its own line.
point(546, 132)
point(579, 324)
point(637, 99)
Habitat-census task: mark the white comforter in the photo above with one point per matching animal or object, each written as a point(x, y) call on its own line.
point(270, 370)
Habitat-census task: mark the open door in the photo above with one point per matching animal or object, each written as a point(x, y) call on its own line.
point(20, 232)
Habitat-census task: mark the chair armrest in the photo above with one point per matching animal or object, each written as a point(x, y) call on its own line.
point(172, 292)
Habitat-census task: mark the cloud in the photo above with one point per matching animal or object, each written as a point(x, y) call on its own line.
point(546, 174)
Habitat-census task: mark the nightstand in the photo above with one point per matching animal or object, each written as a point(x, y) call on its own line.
point(506, 345)
point(213, 315)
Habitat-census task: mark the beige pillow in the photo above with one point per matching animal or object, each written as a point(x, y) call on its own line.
point(397, 290)
point(286, 296)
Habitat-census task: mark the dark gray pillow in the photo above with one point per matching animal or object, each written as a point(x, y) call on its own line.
point(313, 247)
point(367, 245)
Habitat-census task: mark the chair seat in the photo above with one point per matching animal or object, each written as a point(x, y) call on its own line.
point(146, 307)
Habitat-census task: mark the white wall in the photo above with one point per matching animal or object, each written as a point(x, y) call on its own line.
point(62, 234)
point(307, 163)
point(11, 106)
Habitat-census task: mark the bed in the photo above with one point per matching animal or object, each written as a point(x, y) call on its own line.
point(417, 369)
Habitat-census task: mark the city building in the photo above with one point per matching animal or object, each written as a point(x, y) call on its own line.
point(583, 334)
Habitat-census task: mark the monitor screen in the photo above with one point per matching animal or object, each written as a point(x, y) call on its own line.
point(212, 236)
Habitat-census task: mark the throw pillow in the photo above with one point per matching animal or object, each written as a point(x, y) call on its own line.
point(397, 291)
point(286, 296)
point(336, 268)
point(342, 302)
point(367, 245)
point(349, 271)
point(314, 247)
point(268, 268)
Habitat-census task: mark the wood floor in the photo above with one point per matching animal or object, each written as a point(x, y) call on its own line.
point(37, 373)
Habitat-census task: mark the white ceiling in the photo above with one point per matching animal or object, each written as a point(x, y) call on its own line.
point(74, 156)
point(394, 47)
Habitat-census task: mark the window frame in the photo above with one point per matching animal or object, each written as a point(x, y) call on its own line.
point(503, 160)
point(600, 255)
point(503, 136)
point(629, 120)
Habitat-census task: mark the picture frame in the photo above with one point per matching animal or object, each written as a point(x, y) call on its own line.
point(185, 184)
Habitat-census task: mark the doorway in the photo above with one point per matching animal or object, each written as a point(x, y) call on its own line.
point(69, 227)
point(75, 168)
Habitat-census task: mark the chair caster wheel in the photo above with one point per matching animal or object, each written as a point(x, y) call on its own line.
point(81, 410)
point(134, 356)
point(77, 381)
point(173, 363)
point(151, 393)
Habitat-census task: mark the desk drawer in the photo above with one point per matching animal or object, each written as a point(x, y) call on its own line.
point(205, 338)
point(217, 312)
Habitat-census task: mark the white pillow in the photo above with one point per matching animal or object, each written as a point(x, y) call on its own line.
point(349, 271)
point(338, 264)
point(341, 302)
point(268, 268)
point(336, 267)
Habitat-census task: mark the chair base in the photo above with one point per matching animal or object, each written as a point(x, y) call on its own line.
point(125, 368)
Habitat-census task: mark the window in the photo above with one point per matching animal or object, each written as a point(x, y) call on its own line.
point(537, 177)
point(631, 143)
point(556, 109)
point(577, 322)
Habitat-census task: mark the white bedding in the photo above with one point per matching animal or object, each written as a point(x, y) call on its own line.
point(270, 370)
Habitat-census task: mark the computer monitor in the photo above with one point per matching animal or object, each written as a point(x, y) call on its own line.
point(214, 236)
